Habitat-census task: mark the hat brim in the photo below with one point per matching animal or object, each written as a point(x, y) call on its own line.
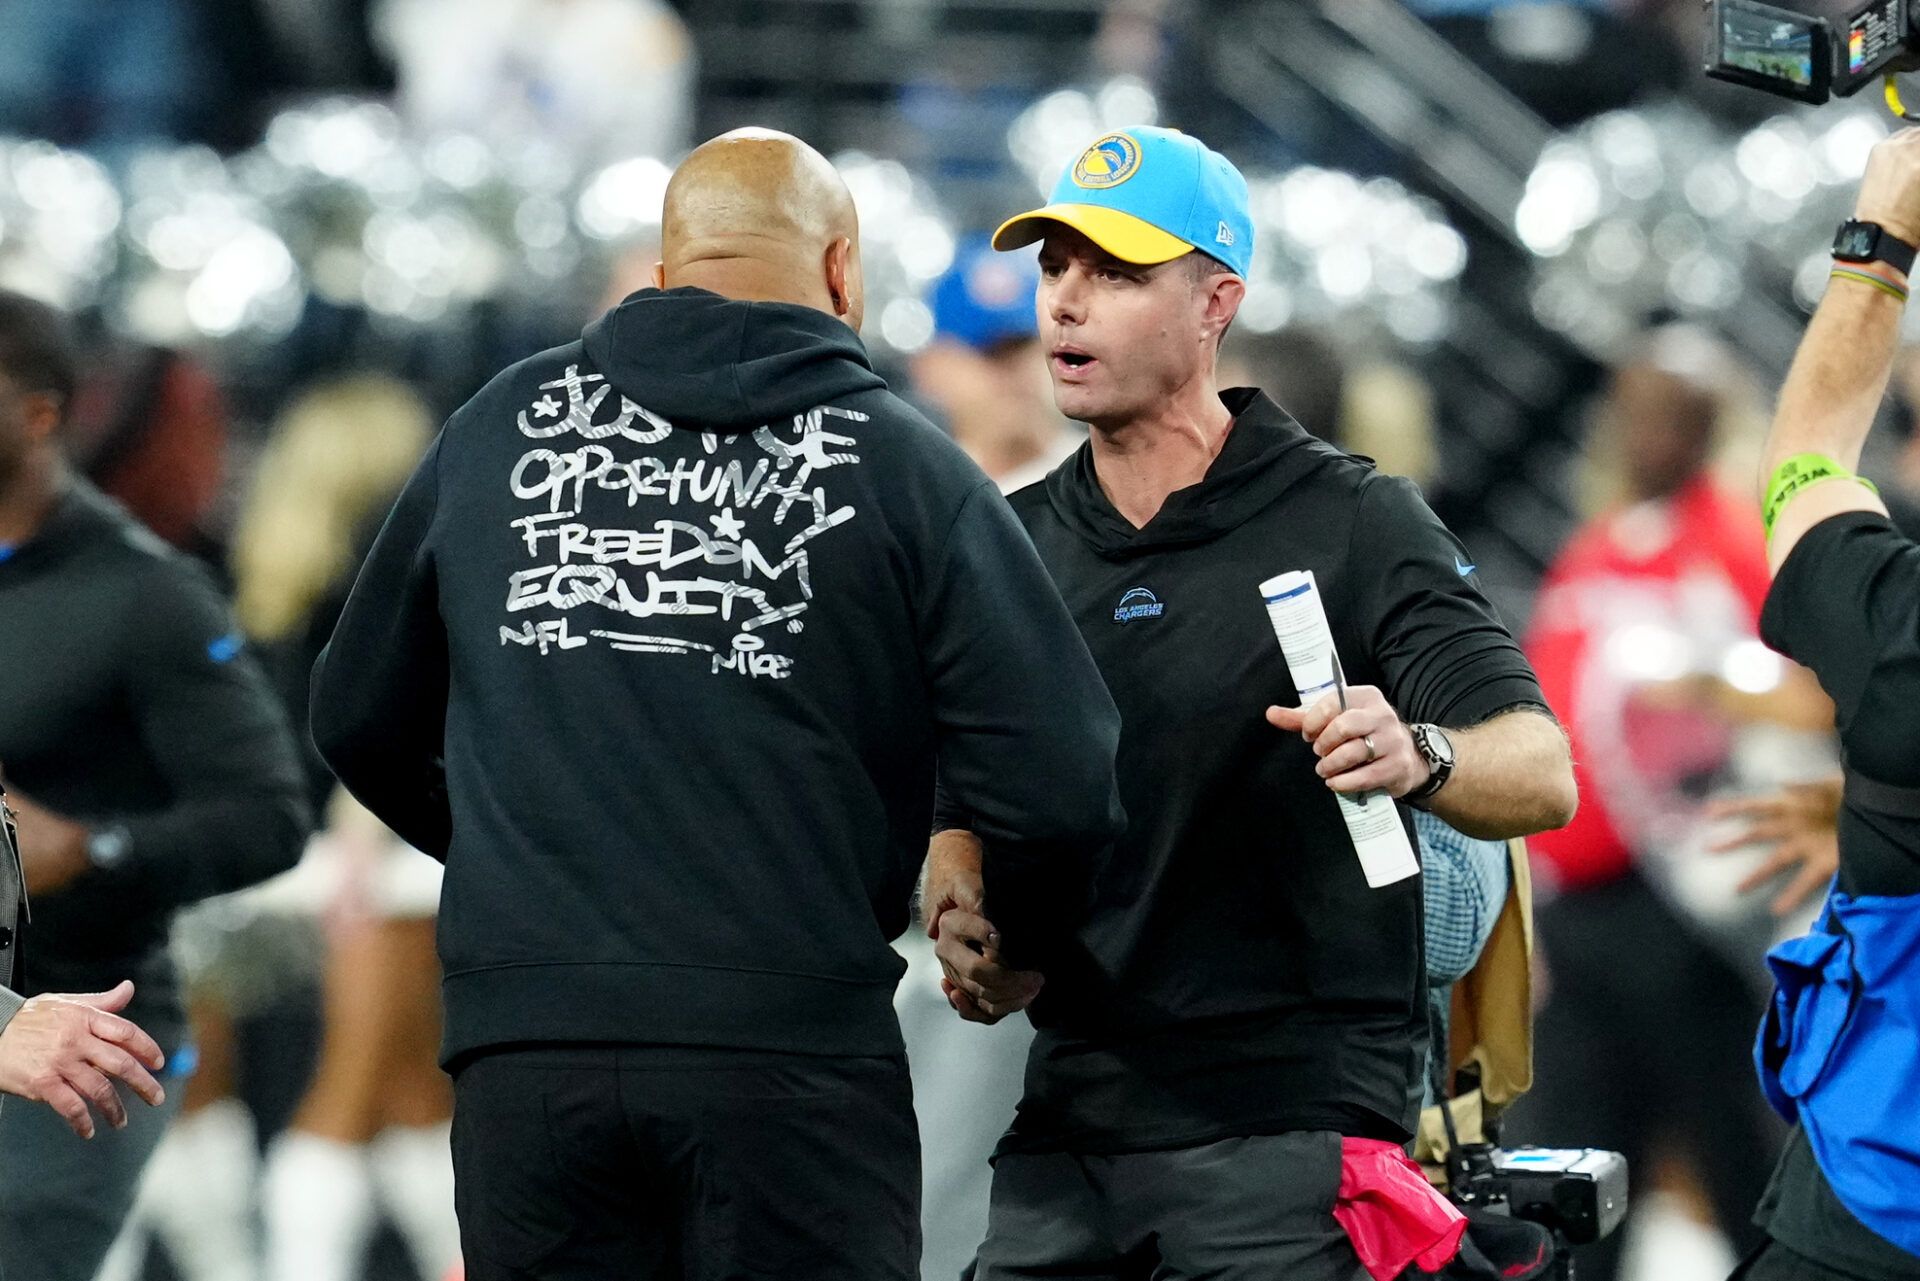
point(1126, 237)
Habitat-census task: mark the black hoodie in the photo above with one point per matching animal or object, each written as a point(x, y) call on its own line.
point(658, 650)
point(1236, 975)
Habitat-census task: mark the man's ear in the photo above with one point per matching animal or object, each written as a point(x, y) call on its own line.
point(659, 275)
point(1223, 303)
point(838, 262)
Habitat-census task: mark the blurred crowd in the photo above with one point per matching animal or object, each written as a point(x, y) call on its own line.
point(311, 1142)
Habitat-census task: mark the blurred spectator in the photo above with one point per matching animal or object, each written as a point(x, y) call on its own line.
point(153, 771)
point(1643, 635)
point(607, 78)
point(106, 73)
point(984, 373)
point(1300, 368)
point(1132, 40)
point(150, 429)
point(319, 492)
point(1375, 408)
point(372, 1130)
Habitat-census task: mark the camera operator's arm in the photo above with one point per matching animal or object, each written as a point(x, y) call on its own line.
point(1840, 374)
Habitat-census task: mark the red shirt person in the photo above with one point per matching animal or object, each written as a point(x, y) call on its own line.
point(1645, 638)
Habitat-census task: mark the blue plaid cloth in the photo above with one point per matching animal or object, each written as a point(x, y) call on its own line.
point(1466, 886)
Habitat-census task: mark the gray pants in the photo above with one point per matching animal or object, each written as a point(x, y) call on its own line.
point(63, 1198)
point(1246, 1209)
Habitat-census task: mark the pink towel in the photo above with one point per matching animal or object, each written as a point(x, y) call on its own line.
point(1392, 1215)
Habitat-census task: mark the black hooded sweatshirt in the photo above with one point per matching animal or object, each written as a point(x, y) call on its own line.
point(1235, 974)
point(658, 650)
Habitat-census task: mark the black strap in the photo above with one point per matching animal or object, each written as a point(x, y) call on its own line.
point(1872, 795)
point(1896, 252)
point(1888, 248)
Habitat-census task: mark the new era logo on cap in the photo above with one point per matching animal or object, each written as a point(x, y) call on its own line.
point(1224, 236)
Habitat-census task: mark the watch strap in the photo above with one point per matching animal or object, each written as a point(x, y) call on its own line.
point(1887, 248)
point(1441, 765)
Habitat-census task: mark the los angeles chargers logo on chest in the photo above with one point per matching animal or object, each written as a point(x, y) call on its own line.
point(1138, 604)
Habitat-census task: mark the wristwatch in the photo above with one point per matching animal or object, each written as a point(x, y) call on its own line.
point(1870, 242)
point(1433, 744)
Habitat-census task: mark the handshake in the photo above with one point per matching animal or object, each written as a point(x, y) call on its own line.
point(978, 986)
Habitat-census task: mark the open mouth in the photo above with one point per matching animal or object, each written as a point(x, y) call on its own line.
point(1071, 359)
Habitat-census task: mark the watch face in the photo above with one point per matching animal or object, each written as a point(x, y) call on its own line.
point(108, 847)
point(1857, 241)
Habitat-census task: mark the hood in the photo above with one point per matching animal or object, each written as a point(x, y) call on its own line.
point(1244, 480)
point(694, 357)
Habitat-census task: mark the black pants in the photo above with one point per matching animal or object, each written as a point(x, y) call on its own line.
point(1247, 1209)
point(1645, 1047)
point(597, 1163)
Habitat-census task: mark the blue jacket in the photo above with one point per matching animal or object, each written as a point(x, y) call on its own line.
point(1839, 1052)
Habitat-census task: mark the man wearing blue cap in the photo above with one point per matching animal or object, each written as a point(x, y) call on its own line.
point(1239, 1014)
point(983, 370)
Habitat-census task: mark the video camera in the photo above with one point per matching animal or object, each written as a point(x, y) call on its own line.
point(1809, 59)
point(1578, 1193)
point(1527, 1207)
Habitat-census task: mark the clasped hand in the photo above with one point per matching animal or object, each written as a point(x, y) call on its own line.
point(978, 984)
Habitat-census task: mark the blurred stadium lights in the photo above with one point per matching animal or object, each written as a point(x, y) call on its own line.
point(906, 242)
point(624, 199)
point(338, 202)
point(1046, 137)
point(59, 212)
point(1661, 209)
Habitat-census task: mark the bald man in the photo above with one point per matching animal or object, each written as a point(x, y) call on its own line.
point(659, 650)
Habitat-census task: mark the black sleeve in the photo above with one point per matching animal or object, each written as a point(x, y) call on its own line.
point(1444, 655)
point(378, 709)
point(948, 814)
point(209, 721)
point(1027, 729)
point(1846, 603)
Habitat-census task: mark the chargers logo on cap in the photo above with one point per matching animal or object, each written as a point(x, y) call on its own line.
point(1108, 162)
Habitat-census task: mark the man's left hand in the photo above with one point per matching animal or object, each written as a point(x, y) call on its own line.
point(53, 849)
point(1365, 748)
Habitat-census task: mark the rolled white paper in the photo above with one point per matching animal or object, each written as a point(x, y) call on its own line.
point(1300, 625)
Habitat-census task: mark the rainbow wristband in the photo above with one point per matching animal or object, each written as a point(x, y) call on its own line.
point(1873, 278)
point(1798, 472)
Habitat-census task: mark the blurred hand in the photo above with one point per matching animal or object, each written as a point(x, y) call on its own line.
point(53, 849)
point(978, 986)
point(64, 1050)
point(1798, 825)
point(1392, 765)
point(1890, 192)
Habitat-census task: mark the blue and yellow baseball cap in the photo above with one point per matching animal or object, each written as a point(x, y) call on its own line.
point(1147, 195)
